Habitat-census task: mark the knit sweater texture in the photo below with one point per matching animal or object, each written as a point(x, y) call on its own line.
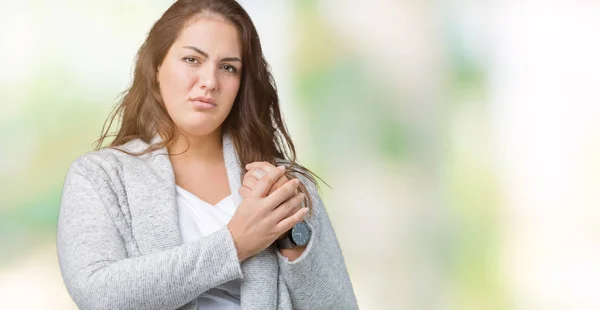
point(119, 245)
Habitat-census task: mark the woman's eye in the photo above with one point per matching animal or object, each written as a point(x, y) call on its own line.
point(229, 68)
point(190, 60)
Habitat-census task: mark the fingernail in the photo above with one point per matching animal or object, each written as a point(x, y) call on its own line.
point(282, 168)
point(258, 173)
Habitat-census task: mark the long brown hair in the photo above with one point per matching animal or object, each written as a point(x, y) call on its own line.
point(255, 123)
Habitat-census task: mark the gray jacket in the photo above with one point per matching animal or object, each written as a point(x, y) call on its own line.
point(119, 245)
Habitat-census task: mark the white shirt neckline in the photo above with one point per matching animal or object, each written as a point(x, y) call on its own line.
point(190, 194)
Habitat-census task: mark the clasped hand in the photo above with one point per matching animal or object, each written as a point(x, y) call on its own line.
point(271, 207)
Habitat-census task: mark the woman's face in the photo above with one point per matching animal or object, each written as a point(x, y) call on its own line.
point(200, 76)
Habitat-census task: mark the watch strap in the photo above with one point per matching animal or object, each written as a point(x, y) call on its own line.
point(286, 242)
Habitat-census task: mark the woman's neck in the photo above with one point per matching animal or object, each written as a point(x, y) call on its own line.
point(198, 149)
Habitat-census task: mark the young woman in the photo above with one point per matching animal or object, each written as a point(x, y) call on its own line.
point(198, 202)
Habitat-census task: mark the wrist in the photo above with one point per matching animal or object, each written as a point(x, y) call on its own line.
point(240, 253)
point(293, 253)
point(299, 235)
point(285, 234)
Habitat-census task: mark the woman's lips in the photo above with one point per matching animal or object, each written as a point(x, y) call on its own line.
point(202, 105)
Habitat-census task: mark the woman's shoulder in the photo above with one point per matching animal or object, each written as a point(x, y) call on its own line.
point(109, 160)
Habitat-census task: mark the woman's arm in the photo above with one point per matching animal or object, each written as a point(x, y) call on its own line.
point(99, 275)
point(318, 279)
point(293, 253)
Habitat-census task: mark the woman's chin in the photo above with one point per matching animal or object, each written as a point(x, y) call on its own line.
point(197, 130)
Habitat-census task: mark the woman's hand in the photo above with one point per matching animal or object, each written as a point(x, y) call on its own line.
point(264, 215)
point(256, 172)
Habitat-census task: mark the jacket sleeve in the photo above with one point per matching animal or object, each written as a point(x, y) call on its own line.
point(98, 273)
point(318, 279)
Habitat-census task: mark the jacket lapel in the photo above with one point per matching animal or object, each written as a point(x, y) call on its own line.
point(259, 285)
point(150, 185)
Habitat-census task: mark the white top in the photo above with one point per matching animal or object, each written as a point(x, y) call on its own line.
point(198, 218)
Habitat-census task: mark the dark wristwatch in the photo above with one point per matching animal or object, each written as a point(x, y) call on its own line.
point(298, 236)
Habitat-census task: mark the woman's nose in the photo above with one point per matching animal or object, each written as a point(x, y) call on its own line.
point(208, 77)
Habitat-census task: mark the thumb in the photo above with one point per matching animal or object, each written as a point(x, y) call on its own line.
point(244, 192)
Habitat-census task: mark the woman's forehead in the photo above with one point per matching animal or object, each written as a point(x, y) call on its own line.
point(208, 33)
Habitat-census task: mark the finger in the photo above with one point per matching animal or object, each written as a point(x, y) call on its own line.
point(289, 222)
point(263, 186)
point(257, 173)
point(259, 169)
point(266, 166)
point(283, 193)
point(244, 192)
point(249, 181)
point(282, 180)
point(288, 208)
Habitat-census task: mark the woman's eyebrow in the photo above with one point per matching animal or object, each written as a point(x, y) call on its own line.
point(201, 52)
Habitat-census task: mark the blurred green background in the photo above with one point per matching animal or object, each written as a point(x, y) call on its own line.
point(461, 139)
